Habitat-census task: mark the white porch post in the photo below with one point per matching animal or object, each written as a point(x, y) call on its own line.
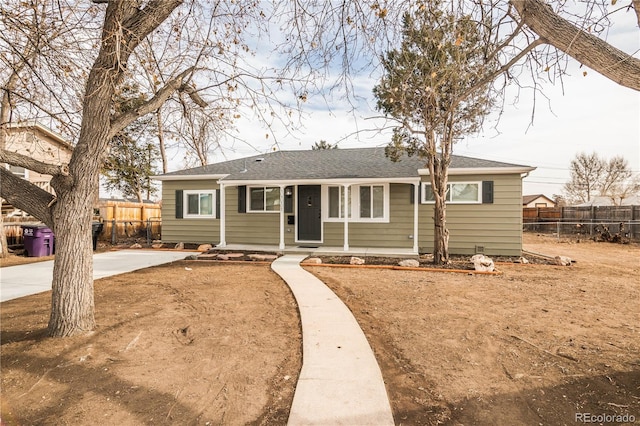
point(281, 246)
point(345, 205)
point(416, 205)
point(223, 220)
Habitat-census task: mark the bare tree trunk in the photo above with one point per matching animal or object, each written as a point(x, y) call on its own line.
point(4, 250)
point(72, 305)
point(440, 234)
point(440, 231)
point(163, 152)
point(5, 117)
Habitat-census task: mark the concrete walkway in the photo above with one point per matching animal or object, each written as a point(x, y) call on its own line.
point(340, 382)
point(32, 278)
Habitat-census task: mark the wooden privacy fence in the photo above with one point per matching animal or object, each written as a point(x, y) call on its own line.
point(123, 220)
point(585, 221)
point(13, 229)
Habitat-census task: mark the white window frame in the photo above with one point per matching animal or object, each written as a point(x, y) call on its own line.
point(355, 204)
point(341, 209)
point(264, 208)
point(426, 185)
point(185, 203)
point(24, 175)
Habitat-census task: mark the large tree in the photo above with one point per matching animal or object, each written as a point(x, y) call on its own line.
point(69, 213)
point(592, 175)
point(72, 82)
point(436, 85)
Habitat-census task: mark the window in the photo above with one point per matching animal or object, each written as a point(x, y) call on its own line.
point(457, 192)
point(336, 201)
point(199, 203)
point(264, 199)
point(19, 171)
point(364, 203)
point(371, 201)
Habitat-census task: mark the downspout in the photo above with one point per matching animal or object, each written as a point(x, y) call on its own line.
point(281, 246)
point(346, 217)
point(223, 216)
point(416, 205)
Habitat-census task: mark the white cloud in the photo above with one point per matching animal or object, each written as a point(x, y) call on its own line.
point(585, 113)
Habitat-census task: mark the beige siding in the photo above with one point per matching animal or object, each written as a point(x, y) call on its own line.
point(497, 227)
point(39, 146)
point(187, 230)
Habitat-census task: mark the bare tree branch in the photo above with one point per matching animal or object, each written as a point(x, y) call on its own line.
point(503, 69)
point(194, 95)
point(27, 162)
point(173, 85)
point(26, 196)
point(586, 48)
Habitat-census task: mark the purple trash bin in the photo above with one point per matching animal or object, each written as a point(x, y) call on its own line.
point(38, 240)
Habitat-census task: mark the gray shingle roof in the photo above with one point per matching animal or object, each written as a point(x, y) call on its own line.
point(326, 164)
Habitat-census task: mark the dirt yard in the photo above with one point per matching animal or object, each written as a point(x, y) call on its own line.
point(210, 343)
point(536, 345)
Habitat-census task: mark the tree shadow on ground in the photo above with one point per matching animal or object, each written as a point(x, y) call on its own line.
point(614, 395)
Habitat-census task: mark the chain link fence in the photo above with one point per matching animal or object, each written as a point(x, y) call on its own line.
point(614, 231)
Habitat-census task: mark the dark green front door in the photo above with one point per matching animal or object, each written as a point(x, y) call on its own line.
point(309, 213)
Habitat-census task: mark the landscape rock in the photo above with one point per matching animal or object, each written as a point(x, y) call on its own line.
point(191, 257)
point(205, 256)
point(427, 257)
point(204, 247)
point(156, 245)
point(523, 260)
point(563, 261)
point(179, 246)
point(136, 246)
point(234, 255)
point(313, 260)
point(409, 263)
point(222, 257)
point(482, 263)
point(263, 257)
point(356, 261)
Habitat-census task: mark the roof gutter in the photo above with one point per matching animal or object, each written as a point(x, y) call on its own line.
point(483, 171)
point(334, 181)
point(188, 177)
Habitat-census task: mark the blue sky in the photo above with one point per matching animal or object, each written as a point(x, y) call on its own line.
point(586, 114)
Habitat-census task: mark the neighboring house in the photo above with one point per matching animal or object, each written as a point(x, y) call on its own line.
point(40, 143)
point(537, 200)
point(343, 199)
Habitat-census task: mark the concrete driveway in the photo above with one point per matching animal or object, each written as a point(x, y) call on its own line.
point(24, 280)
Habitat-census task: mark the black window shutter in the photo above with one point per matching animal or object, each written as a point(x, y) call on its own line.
point(179, 207)
point(487, 192)
point(242, 199)
point(217, 204)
